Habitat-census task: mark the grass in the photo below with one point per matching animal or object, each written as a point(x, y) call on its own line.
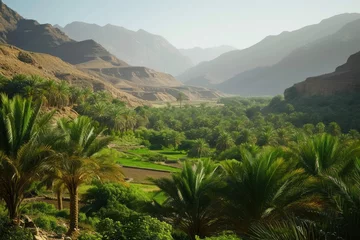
point(172, 154)
point(145, 187)
point(153, 192)
point(128, 162)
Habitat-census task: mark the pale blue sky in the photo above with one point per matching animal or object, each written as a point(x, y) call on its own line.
point(189, 23)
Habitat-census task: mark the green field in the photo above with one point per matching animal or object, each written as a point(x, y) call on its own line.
point(128, 162)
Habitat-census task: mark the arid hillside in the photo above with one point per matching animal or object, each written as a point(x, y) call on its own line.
point(16, 61)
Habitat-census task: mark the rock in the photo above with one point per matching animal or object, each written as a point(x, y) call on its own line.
point(345, 79)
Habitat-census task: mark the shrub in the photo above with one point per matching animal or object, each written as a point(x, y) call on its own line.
point(10, 232)
point(102, 196)
point(90, 236)
point(46, 222)
point(65, 213)
point(157, 158)
point(39, 207)
point(60, 230)
point(135, 227)
point(156, 147)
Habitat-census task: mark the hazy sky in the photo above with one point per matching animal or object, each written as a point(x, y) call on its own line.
point(190, 23)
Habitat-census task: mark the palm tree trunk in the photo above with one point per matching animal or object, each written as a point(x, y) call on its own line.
point(59, 199)
point(74, 210)
point(13, 201)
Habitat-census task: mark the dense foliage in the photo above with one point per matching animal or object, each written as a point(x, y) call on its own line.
point(255, 168)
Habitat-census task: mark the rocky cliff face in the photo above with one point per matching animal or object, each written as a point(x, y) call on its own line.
point(345, 79)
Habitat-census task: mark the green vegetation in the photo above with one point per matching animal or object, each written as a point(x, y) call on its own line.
point(143, 164)
point(250, 169)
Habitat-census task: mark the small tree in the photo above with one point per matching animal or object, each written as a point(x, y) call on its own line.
point(180, 98)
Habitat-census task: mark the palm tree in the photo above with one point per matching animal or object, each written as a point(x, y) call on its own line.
point(22, 156)
point(200, 149)
point(80, 160)
point(190, 200)
point(180, 98)
point(264, 187)
point(224, 142)
point(326, 155)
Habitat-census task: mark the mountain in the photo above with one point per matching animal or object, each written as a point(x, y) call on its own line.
point(8, 21)
point(16, 61)
point(345, 79)
point(88, 63)
point(138, 48)
point(318, 57)
point(267, 52)
point(198, 55)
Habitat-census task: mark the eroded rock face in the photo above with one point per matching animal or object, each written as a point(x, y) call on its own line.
point(345, 79)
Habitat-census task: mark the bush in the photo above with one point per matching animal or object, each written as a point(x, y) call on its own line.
point(103, 196)
point(60, 230)
point(65, 213)
point(10, 232)
point(186, 145)
point(157, 158)
point(135, 227)
point(156, 147)
point(224, 236)
point(90, 236)
point(39, 207)
point(47, 223)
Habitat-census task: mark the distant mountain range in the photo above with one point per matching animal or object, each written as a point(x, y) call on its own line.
point(315, 58)
point(198, 55)
point(138, 48)
point(267, 52)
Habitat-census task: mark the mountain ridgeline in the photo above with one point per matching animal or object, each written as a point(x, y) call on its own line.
point(315, 58)
point(198, 55)
point(139, 48)
point(267, 52)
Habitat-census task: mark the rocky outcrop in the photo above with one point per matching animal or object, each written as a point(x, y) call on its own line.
point(346, 79)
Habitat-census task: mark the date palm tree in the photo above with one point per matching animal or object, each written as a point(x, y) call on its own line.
point(191, 204)
point(324, 155)
point(264, 187)
point(23, 157)
point(80, 161)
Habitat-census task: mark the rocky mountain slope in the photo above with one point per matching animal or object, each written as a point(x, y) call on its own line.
point(8, 21)
point(138, 48)
point(345, 79)
point(265, 53)
point(198, 55)
point(313, 59)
